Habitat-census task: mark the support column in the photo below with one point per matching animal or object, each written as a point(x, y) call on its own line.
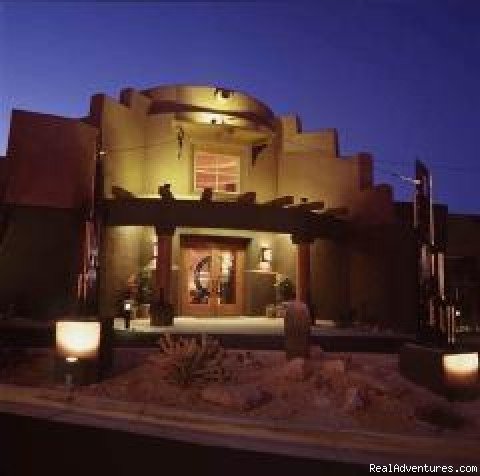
point(163, 268)
point(303, 243)
point(303, 272)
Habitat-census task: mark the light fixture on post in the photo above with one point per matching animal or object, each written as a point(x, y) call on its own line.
point(460, 369)
point(77, 351)
point(128, 309)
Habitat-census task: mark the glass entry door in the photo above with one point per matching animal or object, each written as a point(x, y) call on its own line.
point(212, 280)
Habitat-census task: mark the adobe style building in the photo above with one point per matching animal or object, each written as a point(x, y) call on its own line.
point(211, 194)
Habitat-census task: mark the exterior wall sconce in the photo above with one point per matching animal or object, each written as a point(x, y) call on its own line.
point(266, 254)
point(461, 369)
point(180, 139)
point(77, 351)
point(266, 258)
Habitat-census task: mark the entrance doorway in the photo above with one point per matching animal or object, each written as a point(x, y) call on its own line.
point(212, 277)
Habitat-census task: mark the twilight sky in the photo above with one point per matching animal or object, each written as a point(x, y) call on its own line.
point(398, 78)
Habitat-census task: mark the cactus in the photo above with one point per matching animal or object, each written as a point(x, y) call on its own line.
point(187, 360)
point(296, 322)
point(297, 330)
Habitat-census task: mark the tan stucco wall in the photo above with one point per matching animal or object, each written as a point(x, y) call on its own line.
point(51, 162)
point(139, 134)
point(121, 260)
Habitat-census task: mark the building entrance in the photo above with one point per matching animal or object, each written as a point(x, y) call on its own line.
point(212, 279)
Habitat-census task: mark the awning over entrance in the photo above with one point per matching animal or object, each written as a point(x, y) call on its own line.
point(304, 225)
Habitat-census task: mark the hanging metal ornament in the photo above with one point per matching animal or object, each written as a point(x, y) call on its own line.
point(180, 137)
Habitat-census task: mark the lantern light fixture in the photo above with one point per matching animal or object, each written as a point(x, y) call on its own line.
point(77, 340)
point(461, 369)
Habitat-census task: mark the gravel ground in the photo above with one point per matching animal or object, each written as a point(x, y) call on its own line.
point(382, 399)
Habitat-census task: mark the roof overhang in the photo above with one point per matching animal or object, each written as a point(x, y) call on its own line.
point(303, 225)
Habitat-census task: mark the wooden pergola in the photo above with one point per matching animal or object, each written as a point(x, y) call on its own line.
point(304, 222)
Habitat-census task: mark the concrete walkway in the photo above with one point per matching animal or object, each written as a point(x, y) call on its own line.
point(243, 325)
point(259, 333)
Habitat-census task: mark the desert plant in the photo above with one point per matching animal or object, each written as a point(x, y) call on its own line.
point(285, 289)
point(144, 292)
point(297, 321)
point(187, 360)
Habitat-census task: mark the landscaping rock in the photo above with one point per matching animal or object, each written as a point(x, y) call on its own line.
point(355, 400)
point(240, 397)
point(334, 366)
point(297, 370)
point(371, 381)
point(320, 401)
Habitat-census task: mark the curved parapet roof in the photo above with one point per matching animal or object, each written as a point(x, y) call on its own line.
point(217, 99)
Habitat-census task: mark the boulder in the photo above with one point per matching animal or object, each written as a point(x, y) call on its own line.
point(371, 382)
point(355, 400)
point(239, 397)
point(321, 401)
point(297, 370)
point(334, 366)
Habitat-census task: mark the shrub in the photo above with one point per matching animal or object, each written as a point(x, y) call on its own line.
point(285, 289)
point(187, 360)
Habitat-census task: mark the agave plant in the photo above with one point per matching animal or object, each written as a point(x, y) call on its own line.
point(187, 360)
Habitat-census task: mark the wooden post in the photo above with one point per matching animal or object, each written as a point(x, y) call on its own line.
point(303, 272)
point(163, 269)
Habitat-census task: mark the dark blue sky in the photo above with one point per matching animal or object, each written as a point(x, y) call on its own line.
point(397, 78)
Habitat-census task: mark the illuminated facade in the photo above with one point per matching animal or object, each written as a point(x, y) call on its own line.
point(251, 197)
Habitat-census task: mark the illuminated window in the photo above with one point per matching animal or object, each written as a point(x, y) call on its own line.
point(219, 172)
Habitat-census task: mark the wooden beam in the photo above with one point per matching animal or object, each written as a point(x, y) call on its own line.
point(308, 206)
point(119, 192)
point(230, 215)
point(281, 201)
point(335, 211)
point(247, 197)
point(165, 192)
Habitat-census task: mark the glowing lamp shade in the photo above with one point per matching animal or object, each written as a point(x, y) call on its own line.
point(461, 369)
point(77, 339)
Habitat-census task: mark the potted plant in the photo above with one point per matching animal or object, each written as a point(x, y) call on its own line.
point(144, 294)
point(285, 289)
